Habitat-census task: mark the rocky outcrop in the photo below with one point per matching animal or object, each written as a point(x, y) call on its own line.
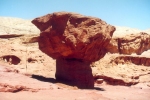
point(133, 43)
point(115, 81)
point(19, 29)
point(138, 60)
point(70, 37)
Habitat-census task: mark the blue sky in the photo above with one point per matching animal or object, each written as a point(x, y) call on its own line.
point(129, 13)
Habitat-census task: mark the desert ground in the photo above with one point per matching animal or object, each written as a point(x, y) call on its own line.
point(28, 73)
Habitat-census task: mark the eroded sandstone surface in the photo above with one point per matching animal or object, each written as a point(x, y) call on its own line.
point(36, 71)
point(70, 35)
point(132, 43)
point(74, 41)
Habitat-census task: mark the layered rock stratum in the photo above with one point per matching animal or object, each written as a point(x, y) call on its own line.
point(129, 44)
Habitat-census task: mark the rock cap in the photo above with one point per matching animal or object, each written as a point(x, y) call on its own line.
point(73, 36)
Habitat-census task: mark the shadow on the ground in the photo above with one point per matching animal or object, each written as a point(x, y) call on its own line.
point(99, 89)
point(44, 79)
point(52, 80)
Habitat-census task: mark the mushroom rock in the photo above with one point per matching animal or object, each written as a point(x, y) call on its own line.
point(75, 41)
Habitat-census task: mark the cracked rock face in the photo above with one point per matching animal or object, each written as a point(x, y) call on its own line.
point(73, 37)
point(133, 43)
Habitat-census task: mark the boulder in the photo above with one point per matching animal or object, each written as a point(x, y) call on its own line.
point(75, 41)
point(99, 81)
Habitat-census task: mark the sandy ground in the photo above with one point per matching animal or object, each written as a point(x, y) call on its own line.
point(39, 88)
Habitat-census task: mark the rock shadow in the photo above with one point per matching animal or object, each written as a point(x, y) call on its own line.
point(51, 80)
point(44, 79)
point(99, 89)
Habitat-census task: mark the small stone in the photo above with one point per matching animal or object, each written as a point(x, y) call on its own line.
point(134, 77)
point(148, 85)
point(99, 81)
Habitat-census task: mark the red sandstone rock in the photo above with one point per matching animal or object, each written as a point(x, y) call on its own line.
point(133, 43)
point(138, 60)
point(71, 35)
point(75, 41)
point(99, 81)
point(115, 81)
point(75, 72)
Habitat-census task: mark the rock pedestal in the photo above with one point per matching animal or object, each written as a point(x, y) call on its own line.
point(75, 72)
point(75, 41)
